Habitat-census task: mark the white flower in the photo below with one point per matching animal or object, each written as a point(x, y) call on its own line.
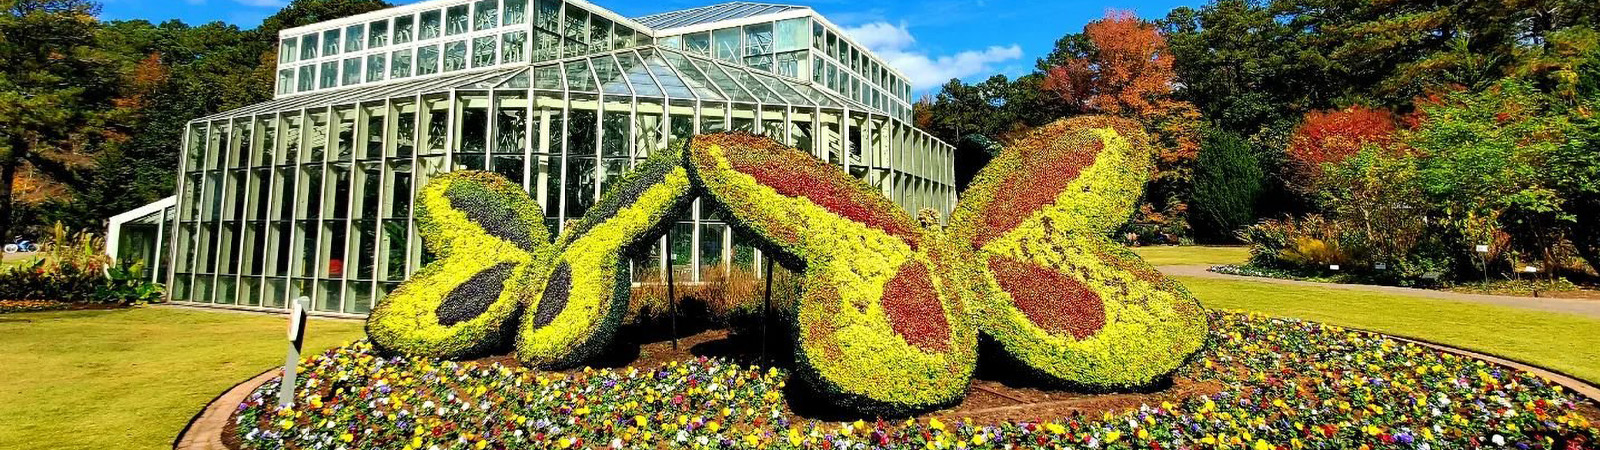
point(1498, 440)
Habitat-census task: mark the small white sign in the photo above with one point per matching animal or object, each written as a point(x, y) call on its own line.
point(1334, 267)
point(1483, 249)
point(297, 316)
point(1530, 269)
point(1381, 266)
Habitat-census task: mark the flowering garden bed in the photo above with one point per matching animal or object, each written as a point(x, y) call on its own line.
point(1262, 384)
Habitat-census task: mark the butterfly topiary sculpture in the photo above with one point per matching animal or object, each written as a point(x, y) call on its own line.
point(891, 312)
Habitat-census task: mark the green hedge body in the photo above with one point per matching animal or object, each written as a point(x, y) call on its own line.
point(587, 286)
point(877, 330)
point(489, 237)
point(1058, 296)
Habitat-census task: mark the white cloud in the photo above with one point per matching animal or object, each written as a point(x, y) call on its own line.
point(896, 46)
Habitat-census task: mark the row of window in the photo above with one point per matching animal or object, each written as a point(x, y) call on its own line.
point(485, 51)
point(311, 62)
point(486, 15)
point(780, 47)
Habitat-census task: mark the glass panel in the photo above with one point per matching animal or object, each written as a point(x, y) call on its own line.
point(455, 56)
point(791, 34)
point(378, 34)
point(375, 68)
point(758, 39)
point(577, 31)
point(358, 299)
point(579, 78)
point(548, 77)
point(516, 12)
point(308, 78)
point(614, 169)
point(352, 71)
point(513, 46)
point(623, 37)
point(617, 136)
point(330, 75)
point(599, 34)
point(330, 42)
point(456, 19)
point(431, 25)
point(637, 76)
point(288, 50)
point(404, 29)
point(428, 60)
point(486, 14)
point(405, 133)
point(711, 250)
point(355, 38)
point(727, 44)
point(682, 252)
point(511, 126)
point(309, 47)
point(400, 66)
point(483, 51)
point(285, 81)
point(698, 43)
point(611, 81)
point(509, 166)
point(474, 127)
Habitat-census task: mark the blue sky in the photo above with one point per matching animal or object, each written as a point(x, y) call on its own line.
point(930, 40)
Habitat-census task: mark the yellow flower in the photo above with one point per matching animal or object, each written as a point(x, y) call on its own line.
point(347, 437)
point(1055, 428)
point(751, 440)
point(860, 425)
point(1263, 445)
point(933, 423)
point(713, 426)
point(640, 420)
point(1113, 436)
point(1143, 434)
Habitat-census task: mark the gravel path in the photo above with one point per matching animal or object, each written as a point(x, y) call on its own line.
point(1589, 308)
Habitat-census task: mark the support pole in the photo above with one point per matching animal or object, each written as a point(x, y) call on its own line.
point(766, 314)
point(672, 297)
point(297, 334)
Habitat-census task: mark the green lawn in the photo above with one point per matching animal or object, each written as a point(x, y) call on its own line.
point(131, 379)
point(1191, 255)
point(1564, 342)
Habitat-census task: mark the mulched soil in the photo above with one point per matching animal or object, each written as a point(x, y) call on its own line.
point(22, 306)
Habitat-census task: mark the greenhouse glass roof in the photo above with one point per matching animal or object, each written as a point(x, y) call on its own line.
point(713, 13)
point(644, 71)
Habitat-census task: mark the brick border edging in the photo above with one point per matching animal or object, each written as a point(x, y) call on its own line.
point(204, 431)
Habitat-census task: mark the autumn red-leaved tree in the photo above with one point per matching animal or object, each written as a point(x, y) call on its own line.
point(1332, 136)
point(1124, 69)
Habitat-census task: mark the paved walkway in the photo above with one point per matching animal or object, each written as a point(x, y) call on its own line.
point(1589, 308)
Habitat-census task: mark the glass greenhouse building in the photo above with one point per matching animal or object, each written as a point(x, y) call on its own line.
point(310, 194)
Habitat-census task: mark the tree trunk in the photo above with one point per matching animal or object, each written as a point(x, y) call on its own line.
point(9, 160)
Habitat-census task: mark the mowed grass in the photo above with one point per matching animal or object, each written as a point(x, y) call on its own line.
point(1566, 343)
point(1193, 255)
point(131, 379)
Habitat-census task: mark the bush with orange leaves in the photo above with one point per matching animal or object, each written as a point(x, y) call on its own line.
point(1329, 137)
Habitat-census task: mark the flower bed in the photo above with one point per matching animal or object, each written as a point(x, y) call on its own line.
point(20, 306)
point(1286, 384)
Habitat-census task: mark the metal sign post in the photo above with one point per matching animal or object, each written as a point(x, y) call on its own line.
point(297, 334)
